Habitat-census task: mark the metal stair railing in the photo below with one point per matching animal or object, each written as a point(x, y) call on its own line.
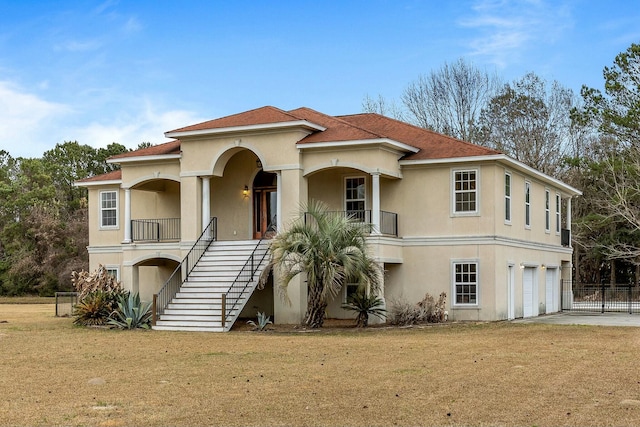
point(246, 276)
point(181, 273)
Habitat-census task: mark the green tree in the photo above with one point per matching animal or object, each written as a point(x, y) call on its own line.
point(330, 250)
point(615, 113)
point(607, 217)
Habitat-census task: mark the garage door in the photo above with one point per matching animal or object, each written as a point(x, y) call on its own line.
point(552, 290)
point(527, 292)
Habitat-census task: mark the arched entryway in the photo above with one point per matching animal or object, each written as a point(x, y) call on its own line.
point(265, 204)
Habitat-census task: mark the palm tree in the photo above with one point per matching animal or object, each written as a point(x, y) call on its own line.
point(331, 250)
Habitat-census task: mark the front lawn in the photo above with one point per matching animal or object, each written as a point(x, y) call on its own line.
point(52, 373)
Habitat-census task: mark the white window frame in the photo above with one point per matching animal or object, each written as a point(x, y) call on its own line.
point(558, 213)
point(547, 211)
point(114, 268)
point(454, 282)
point(344, 193)
point(527, 204)
point(507, 197)
point(455, 191)
point(101, 210)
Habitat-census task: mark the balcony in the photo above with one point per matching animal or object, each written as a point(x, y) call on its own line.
point(155, 230)
point(388, 220)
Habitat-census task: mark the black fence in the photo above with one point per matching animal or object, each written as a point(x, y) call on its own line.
point(155, 230)
point(388, 220)
point(621, 298)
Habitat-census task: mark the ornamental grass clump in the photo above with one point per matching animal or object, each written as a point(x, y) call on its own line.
point(428, 310)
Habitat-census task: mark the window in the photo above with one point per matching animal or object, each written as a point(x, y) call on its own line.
point(108, 209)
point(355, 197)
point(547, 211)
point(558, 201)
point(527, 204)
point(113, 271)
point(507, 197)
point(465, 191)
point(465, 282)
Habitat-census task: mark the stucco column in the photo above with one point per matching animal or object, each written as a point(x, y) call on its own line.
point(206, 201)
point(374, 320)
point(569, 213)
point(127, 215)
point(278, 201)
point(375, 202)
point(292, 191)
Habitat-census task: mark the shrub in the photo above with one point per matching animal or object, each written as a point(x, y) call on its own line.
point(99, 280)
point(365, 305)
point(263, 321)
point(131, 313)
point(94, 309)
point(426, 311)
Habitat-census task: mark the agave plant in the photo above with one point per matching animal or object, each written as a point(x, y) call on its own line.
point(263, 321)
point(365, 305)
point(131, 313)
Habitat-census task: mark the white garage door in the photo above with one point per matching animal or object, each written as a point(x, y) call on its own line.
point(552, 291)
point(527, 292)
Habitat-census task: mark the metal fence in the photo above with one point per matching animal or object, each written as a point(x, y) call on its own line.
point(65, 301)
point(621, 298)
point(155, 230)
point(388, 220)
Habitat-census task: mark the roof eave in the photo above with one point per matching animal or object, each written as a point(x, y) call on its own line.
point(97, 183)
point(503, 158)
point(248, 128)
point(151, 158)
point(401, 146)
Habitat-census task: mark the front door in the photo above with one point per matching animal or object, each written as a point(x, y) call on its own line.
point(265, 205)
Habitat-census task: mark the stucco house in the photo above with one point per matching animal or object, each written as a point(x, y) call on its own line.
point(187, 222)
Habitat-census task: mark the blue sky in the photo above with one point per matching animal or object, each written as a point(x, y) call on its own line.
point(127, 71)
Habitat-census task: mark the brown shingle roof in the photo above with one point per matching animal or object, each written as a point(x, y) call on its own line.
point(259, 116)
point(432, 145)
point(109, 176)
point(171, 147)
point(352, 127)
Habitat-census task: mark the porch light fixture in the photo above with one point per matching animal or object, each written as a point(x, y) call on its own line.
point(245, 192)
point(521, 266)
point(543, 267)
point(258, 164)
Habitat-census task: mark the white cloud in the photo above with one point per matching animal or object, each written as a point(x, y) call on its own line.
point(149, 125)
point(506, 29)
point(24, 118)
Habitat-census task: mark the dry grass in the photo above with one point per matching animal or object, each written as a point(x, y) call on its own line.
point(465, 374)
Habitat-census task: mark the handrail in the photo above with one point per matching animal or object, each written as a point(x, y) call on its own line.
point(175, 281)
point(245, 275)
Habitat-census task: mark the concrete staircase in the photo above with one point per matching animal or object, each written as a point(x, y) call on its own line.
point(198, 304)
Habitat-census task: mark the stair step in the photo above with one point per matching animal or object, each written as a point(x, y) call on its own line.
point(188, 323)
point(181, 305)
point(191, 317)
point(189, 328)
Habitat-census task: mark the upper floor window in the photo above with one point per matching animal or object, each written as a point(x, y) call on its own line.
point(355, 197)
point(527, 204)
point(507, 197)
point(108, 209)
point(558, 224)
point(465, 282)
point(465, 191)
point(547, 211)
